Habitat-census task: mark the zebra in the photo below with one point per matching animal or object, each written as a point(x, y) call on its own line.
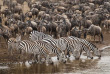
point(35, 35)
point(60, 43)
point(72, 47)
point(53, 49)
point(12, 44)
point(92, 47)
point(86, 49)
point(78, 46)
point(30, 47)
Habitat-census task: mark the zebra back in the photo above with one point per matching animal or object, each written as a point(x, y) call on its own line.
point(50, 47)
point(32, 48)
point(35, 35)
point(60, 43)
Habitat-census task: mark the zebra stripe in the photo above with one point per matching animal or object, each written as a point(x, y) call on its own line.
point(11, 45)
point(73, 47)
point(33, 48)
point(60, 43)
point(53, 49)
point(35, 35)
point(89, 44)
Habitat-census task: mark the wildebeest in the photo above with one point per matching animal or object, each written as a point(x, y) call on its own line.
point(75, 32)
point(94, 30)
point(6, 12)
point(107, 24)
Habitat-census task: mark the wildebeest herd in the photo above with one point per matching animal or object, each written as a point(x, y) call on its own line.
point(54, 27)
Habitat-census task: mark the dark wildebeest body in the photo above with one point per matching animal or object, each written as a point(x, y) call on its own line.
point(75, 32)
point(93, 31)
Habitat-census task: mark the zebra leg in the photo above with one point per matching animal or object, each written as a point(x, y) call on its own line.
point(57, 57)
point(39, 59)
point(9, 50)
point(68, 53)
point(65, 52)
point(89, 54)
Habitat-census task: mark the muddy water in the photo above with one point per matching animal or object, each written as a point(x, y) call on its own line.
point(82, 66)
point(31, 68)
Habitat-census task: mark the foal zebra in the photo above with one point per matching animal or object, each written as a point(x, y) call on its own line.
point(90, 45)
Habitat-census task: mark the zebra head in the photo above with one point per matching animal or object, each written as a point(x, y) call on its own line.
point(62, 57)
point(89, 54)
point(76, 54)
point(17, 41)
point(97, 52)
point(49, 59)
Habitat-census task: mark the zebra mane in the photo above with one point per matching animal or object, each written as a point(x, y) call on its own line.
point(93, 45)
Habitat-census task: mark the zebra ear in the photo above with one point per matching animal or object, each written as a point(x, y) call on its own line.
point(18, 38)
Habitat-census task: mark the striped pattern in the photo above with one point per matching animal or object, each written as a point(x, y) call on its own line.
point(73, 47)
point(60, 43)
point(35, 35)
point(91, 46)
point(53, 49)
point(11, 45)
point(43, 45)
point(33, 48)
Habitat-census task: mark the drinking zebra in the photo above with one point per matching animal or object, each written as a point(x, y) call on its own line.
point(53, 49)
point(72, 47)
point(62, 44)
point(92, 47)
point(76, 46)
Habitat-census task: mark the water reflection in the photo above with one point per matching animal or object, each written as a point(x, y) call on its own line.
point(33, 68)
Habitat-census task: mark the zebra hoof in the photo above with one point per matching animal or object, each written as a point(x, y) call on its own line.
point(64, 62)
point(77, 58)
point(51, 63)
point(57, 58)
point(91, 57)
point(99, 57)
